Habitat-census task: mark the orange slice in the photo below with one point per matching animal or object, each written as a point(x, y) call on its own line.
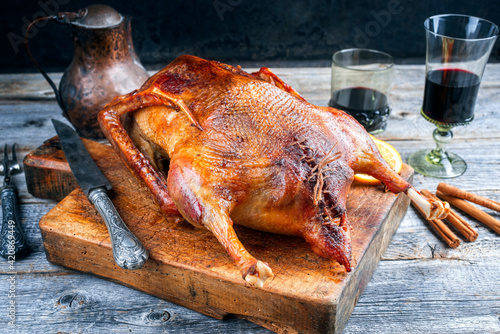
point(390, 154)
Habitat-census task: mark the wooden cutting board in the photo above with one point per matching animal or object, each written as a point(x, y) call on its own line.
point(189, 267)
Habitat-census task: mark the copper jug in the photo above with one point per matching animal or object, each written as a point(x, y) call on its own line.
point(104, 65)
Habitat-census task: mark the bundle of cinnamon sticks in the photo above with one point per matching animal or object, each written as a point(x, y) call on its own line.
point(460, 199)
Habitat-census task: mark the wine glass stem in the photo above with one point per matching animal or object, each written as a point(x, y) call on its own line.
point(442, 135)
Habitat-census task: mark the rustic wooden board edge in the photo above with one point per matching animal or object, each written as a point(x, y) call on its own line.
point(47, 173)
point(336, 312)
point(369, 262)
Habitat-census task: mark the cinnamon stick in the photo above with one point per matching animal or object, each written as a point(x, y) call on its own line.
point(457, 192)
point(441, 229)
point(465, 229)
point(461, 225)
point(470, 209)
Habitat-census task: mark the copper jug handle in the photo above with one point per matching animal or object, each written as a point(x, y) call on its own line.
point(63, 17)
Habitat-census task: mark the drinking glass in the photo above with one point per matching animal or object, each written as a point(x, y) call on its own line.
point(361, 82)
point(458, 48)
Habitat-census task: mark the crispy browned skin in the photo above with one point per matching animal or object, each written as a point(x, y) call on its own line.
point(219, 145)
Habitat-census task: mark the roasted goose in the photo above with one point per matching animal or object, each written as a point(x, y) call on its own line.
point(218, 145)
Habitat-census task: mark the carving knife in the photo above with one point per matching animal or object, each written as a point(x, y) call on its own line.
point(128, 251)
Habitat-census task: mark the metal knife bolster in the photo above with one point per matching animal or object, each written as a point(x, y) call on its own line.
point(128, 251)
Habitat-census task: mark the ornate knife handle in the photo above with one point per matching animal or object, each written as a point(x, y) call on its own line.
point(128, 251)
point(13, 242)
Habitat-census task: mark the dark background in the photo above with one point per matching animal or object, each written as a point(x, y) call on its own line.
point(246, 32)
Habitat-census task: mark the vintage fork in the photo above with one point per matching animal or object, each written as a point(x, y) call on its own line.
point(12, 239)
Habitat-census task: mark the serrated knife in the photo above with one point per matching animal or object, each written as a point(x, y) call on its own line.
point(128, 251)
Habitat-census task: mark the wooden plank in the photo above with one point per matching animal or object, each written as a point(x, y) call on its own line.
point(27, 86)
point(405, 123)
point(66, 302)
point(428, 296)
point(190, 268)
point(313, 82)
point(28, 124)
point(482, 158)
point(449, 297)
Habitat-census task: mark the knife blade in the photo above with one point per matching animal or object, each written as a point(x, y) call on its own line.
point(128, 251)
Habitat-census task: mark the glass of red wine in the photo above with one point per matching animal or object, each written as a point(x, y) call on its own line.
point(361, 82)
point(458, 48)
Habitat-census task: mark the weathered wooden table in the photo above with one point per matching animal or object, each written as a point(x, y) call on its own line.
point(420, 285)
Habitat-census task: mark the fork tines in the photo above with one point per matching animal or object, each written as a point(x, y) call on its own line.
point(7, 165)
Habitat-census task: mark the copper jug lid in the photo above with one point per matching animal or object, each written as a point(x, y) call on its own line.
point(98, 16)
